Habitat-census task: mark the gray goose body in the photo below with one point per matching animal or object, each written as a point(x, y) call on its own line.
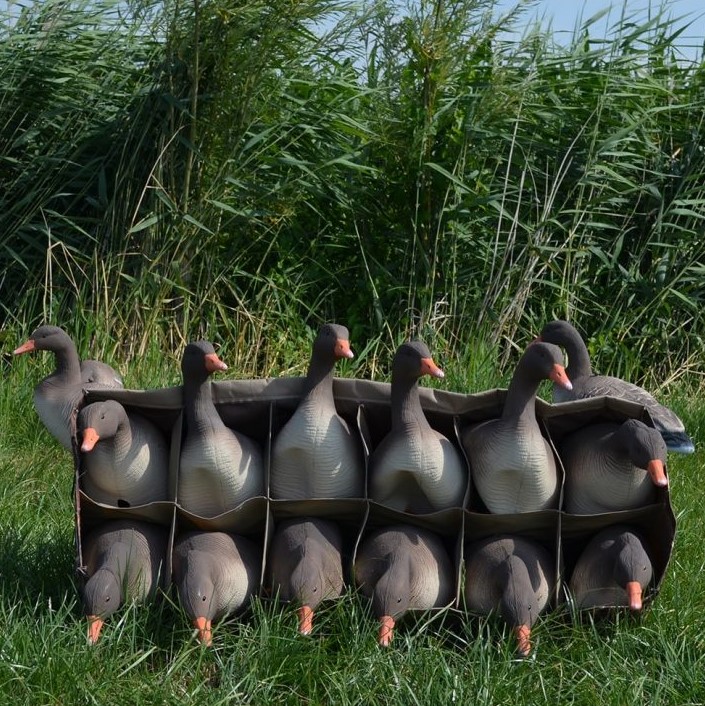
point(614, 569)
point(59, 394)
point(611, 467)
point(316, 455)
point(513, 576)
point(512, 464)
point(586, 384)
point(125, 458)
point(402, 568)
point(306, 565)
point(219, 468)
point(415, 468)
point(216, 573)
point(123, 561)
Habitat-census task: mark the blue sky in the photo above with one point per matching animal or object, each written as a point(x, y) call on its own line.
point(563, 15)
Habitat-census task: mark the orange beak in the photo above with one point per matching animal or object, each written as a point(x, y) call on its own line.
point(657, 473)
point(305, 619)
point(523, 635)
point(558, 376)
point(214, 363)
point(386, 630)
point(95, 625)
point(90, 439)
point(428, 367)
point(634, 595)
point(205, 634)
point(25, 347)
point(342, 349)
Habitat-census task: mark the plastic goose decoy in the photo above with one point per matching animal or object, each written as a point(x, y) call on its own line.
point(513, 466)
point(123, 560)
point(614, 569)
point(306, 565)
point(586, 384)
point(403, 568)
point(513, 576)
point(58, 395)
point(316, 455)
point(215, 573)
point(415, 468)
point(219, 468)
point(125, 458)
point(611, 467)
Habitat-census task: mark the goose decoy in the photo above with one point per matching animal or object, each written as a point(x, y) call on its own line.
point(513, 576)
point(586, 384)
point(215, 573)
point(614, 569)
point(611, 467)
point(415, 468)
point(512, 464)
point(219, 467)
point(125, 458)
point(403, 568)
point(306, 565)
point(316, 455)
point(58, 395)
point(123, 561)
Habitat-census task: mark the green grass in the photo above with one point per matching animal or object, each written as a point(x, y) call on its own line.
point(148, 655)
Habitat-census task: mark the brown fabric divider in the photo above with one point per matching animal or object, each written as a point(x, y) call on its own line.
point(250, 519)
point(447, 524)
point(349, 514)
point(655, 523)
point(90, 515)
point(542, 527)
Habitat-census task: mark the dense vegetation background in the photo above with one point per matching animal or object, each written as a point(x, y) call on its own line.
point(245, 170)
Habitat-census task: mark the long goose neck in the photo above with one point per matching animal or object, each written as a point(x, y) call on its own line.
point(578, 357)
point(117, 560)
point(68, 364)
point(392, 590)
point(319, 378)
point(201, 414)
point(406, 403)
point(123, 436)
point(517, 592)
point(520, 403)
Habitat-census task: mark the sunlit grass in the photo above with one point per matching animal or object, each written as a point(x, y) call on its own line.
point(150, 653)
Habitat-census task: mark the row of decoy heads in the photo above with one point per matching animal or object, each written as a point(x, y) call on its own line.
point(414, 469)
point(400, 568)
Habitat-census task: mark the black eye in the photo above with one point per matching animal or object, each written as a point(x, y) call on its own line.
point(107, 599)
point(315, 589)
point(203, 598)
point(398, 600)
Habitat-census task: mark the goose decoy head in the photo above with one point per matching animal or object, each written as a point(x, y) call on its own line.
point(413, 360)
point(517, 604)
point(646, 449)
point(544, 361)
point(102, 596)
point(557, 332)
point(197, 593)
point(632, 568)
point(99, 420)
point(200, 360)
point(391, 597)
point(44, 338)
point(333, 341)
point(309, 586)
